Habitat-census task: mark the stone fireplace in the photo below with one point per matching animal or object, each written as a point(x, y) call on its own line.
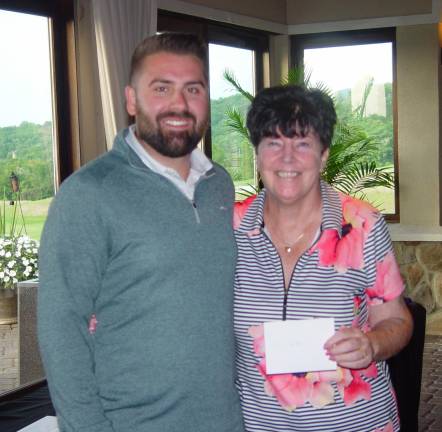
point(420, 263)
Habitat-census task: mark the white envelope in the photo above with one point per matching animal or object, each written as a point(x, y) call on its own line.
point(298, 345)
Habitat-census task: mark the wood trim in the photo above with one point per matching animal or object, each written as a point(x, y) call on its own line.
point(66, 103)
point(61, 13)
point(440, 136)
point(43, 8)
point(395, 218)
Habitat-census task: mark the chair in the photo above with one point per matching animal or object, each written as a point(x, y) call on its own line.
point(22, 407)
point(406, 371)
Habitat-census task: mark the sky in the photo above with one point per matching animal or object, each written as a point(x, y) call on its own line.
point(372, 60)
point(238, 60)
point(25, 85)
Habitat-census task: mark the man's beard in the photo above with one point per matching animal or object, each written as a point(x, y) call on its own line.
point(169, 143)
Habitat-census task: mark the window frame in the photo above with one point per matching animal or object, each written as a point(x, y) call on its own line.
point(65, 104)
point(298, 43)
point(62, 51)
point(221, 34)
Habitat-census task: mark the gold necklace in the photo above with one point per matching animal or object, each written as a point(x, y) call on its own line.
point(289, 248)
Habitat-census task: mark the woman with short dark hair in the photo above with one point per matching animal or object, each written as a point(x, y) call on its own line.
point(305, 252)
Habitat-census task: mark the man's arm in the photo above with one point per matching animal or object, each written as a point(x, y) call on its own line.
point(72, 258)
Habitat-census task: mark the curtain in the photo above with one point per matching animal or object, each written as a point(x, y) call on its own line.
point(119, 26)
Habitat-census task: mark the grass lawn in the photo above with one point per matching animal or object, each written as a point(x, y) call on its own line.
point(382, 198)
point(244, 188)
point(34, 214)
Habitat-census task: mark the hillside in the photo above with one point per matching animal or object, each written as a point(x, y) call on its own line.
point(26, 150)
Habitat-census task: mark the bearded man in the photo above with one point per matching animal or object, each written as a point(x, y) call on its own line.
point(136, 266)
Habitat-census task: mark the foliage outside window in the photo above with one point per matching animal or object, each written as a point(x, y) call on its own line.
point(228, 148)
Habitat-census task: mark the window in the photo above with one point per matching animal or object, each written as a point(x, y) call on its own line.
point(241, 51)
point(26, 126)
point(358, 67)
point(35, 127)
point(36, 141)
point(229, 148)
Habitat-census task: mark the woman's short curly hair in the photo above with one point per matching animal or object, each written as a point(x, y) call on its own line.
point(291, 111)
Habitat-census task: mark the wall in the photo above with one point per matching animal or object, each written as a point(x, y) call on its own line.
point(313, 11)
point(8, 357)
point(302, 12)
point(421, 268)
point(418, 123)
point(269, 15)
point(279, 58)
point(269, 10)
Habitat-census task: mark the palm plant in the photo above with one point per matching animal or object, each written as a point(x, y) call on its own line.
point(351, 166)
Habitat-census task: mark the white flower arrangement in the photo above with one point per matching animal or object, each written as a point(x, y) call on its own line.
point(18, 252)
point(18, 260)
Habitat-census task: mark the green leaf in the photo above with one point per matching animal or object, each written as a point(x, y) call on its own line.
point(229, 76)
point(236, 121)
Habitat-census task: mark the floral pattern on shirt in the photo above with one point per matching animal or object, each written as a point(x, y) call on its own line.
point(387, 428)
point(388, 284)
point(294, 390)
point(343, 251)
point(346, 251)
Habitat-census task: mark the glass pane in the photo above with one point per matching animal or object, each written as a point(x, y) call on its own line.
point(361, 77)
point(230, 148)
point(26, 135)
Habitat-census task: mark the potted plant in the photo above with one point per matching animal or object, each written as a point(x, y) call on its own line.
point(18, 253)
point(351, 167)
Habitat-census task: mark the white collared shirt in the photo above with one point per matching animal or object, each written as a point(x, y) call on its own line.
point(199, 165)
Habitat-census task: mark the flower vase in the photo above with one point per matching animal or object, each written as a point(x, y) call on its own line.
point(8, 305)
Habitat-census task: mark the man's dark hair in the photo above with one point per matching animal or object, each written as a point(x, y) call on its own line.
point(172, 42)
point(294, 111)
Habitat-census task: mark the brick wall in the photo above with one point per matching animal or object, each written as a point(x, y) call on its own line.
point(421, 267)
point(8, 356)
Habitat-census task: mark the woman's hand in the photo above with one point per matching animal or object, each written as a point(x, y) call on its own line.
point(391, 328)
point(351, 348)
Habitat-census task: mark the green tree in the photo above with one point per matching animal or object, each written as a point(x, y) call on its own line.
point(228, 148)
point(27, 151)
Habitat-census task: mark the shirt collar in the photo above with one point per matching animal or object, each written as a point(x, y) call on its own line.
point(199, 162)
point(253, 220)
point(331, 208)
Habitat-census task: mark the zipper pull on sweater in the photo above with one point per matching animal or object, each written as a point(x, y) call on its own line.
point(195, 210)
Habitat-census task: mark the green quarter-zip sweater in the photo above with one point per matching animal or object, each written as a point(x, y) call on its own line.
point(135, 300)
